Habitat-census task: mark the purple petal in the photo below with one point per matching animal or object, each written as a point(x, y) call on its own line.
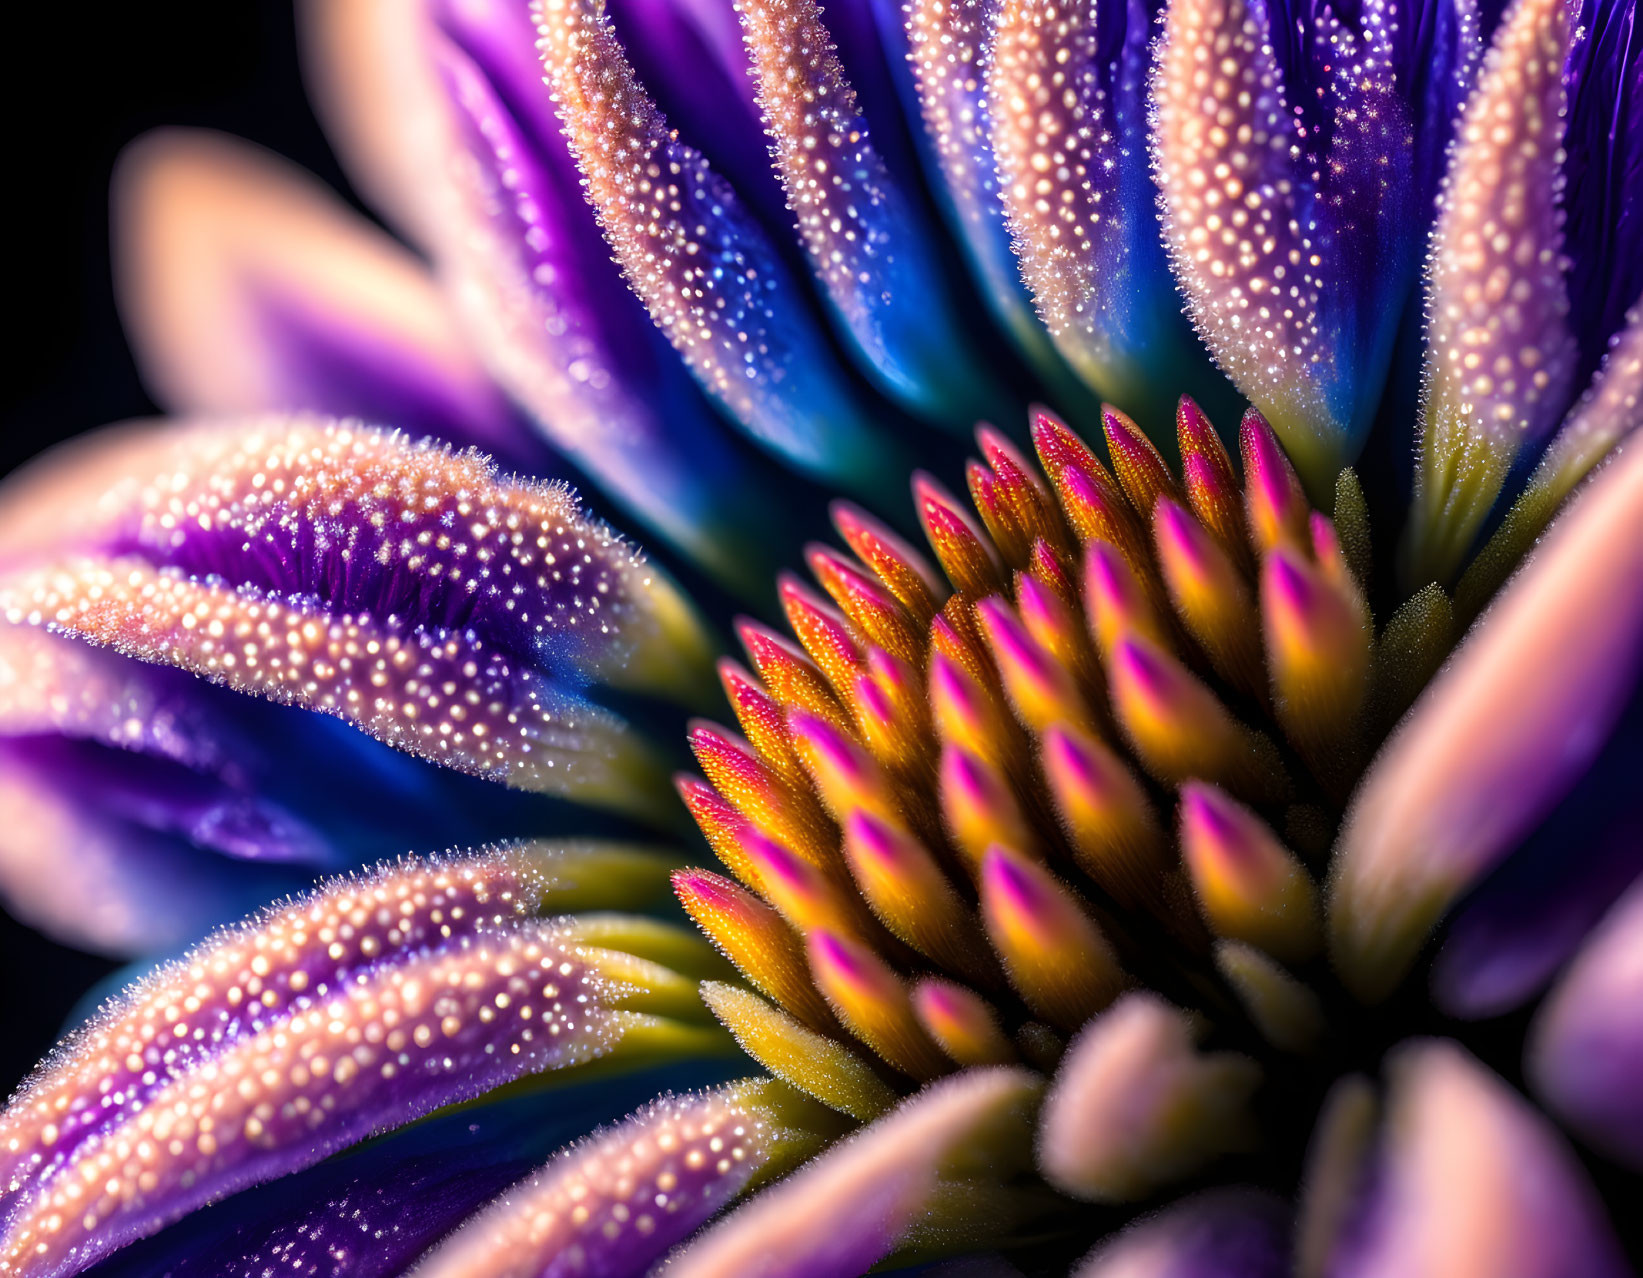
point(409, 590)
point(1528, 917)
point(1067, 125)
point(1609, 411)
point(1227, 1233)
point(946, 48)
point(372, 1211)
point(847, 1210)
point(1586, 1047)
point(140, 806)
point(1437, 46)
point(529, 274)
point(689, 54)
point(370, 1002)
point(1498, 739)
point(610, 1206)
point(700, 263)
point(245, 287)
point(1299, 294)
point(1500, 356)
point(1473, 1183)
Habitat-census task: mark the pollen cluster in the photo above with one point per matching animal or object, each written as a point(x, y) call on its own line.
point(1101, 747)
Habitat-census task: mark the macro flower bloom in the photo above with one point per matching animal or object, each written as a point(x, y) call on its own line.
point(1217, 857)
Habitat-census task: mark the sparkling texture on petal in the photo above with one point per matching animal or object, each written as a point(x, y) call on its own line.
point(526, 270)
point(1266, 226)
point(1500, 353)
point(1067, 134)
point(372, 1001)
point(616, 1201)
point(858, 229)
point(405, 588)
point(947, 49)
point(1608, 412)
point(695, 256)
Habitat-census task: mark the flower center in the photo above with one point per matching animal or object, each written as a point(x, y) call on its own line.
point(1107, 745)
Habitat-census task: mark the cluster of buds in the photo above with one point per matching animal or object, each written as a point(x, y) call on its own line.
point(948, 823)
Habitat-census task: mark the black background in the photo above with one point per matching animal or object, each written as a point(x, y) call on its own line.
point(79, 82)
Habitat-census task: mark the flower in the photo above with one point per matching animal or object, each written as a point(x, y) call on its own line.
point(1154, 871)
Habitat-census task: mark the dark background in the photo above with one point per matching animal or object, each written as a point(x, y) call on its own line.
point(81, 81)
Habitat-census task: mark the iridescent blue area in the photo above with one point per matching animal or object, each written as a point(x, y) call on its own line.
point(1145, 315)
point(372, 1211)
point(864, 227)
point(971, 205)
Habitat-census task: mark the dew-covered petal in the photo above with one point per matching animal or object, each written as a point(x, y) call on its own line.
point(407, 589)
point(1065, 89)
point(862, 234)
point(1604, 172)
point(712, 281)
point(847, 1210)
point(367, 1003)
point(616, 1201)
point(1292, 228)
point(143, 806)
point(1586, 1046)
point(1472, 1183)
point(1500, 353)
point(1225, 1233)
point(246, 287)
point(523, 262)
point(372, 1211)
point(1609, 411)
point(946, 50)
point(1497, 739)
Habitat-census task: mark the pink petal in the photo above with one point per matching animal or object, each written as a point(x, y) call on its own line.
point(846, 1211)
point(1497, 739)
point(1473, 1184)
